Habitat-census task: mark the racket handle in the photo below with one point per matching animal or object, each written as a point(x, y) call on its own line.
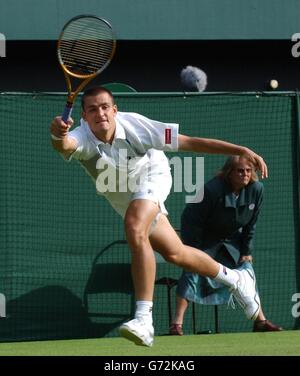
point(67, 112)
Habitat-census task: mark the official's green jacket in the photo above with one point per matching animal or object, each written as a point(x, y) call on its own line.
point(223, 219)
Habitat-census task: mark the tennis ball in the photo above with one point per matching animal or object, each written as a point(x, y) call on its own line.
point(274, 84)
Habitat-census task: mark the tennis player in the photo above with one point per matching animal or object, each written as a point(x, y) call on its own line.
point(133, 146)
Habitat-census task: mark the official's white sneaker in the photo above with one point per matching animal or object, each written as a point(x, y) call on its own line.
point(138, 331)
point(245, 293)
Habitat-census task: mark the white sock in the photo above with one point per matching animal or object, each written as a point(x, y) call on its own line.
point(144, 310)
point(227, 276)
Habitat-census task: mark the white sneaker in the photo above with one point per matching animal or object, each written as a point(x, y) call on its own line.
point(138, 331)
point(245, 293)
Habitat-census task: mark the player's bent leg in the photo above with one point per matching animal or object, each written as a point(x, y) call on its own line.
point(165, 240)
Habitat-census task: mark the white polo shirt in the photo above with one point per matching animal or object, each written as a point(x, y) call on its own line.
point(134, 165)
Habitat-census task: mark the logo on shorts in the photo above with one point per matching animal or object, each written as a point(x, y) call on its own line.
point(167, 136)
point(251, 206)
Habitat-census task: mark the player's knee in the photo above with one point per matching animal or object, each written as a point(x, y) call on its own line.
point(135, 231)
point(173, 257)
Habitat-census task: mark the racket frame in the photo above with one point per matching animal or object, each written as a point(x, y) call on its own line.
point(85, 77)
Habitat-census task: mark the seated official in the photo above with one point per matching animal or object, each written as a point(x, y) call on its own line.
point(222, 225)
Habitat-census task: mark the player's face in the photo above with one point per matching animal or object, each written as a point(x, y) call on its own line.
point(241, 174)
point(99, 112)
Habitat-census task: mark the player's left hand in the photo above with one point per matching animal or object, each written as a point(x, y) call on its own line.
point(258, 161)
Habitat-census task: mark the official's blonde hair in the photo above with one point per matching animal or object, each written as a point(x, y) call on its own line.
point(231, 163)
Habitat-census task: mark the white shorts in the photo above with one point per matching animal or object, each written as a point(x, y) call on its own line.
point(156, 189)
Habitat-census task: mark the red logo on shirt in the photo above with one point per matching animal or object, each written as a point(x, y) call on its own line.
point(167, 135)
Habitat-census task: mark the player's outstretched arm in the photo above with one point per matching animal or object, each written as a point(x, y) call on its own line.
point(60, 136)
point(213, 146)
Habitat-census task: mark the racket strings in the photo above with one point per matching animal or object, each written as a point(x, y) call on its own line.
point(85, 56)
point(86, 46)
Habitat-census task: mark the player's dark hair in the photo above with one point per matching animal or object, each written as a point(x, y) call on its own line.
point(93, 91)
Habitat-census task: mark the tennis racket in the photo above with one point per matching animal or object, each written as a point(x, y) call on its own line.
point(85, 47)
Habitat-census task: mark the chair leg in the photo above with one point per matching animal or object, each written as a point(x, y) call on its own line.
point(194, 317)
point(216, 319)
point(170, 283)
point(216, 312)
point(169, 305)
